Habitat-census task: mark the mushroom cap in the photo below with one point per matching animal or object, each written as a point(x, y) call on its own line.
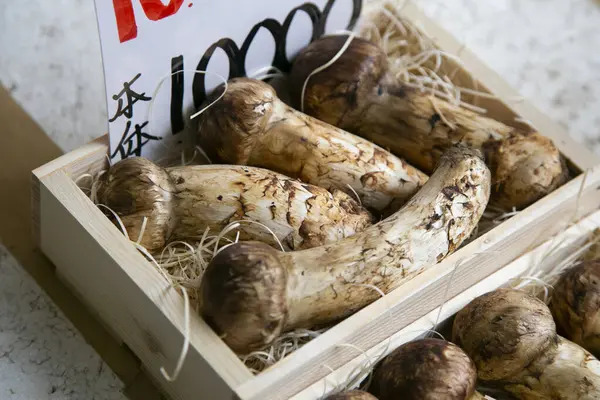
point(503, 331)
point(243, 295)
point(228, 129)
point(526, 166)
point(425, 369)
point(352, 395)
point(135, 188)
point(575, 305)
point(345, 85)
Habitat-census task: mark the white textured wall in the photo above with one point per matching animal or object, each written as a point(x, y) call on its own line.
point(547, 49)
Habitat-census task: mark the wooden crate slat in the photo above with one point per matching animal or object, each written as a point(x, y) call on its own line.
point(89, 158)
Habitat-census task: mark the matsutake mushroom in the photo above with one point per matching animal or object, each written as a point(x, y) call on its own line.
point(511, 337)
point(180, 203)
point(351, 395)
point(575, 305)
point(426, 369)
point(357, 93)
point(251, 292)
point(251, 126)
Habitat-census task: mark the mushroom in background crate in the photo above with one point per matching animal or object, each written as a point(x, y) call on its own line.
point(426, 369)
point(575, 302)
point(352, 395)
point(511, 337)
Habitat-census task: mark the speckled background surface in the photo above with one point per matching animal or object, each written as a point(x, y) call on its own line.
point(42, 356)
point(549, 50)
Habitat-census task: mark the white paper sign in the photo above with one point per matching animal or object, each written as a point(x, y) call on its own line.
point(145, 42)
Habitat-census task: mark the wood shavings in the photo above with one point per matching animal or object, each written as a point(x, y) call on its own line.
point(545, 271)
point(414, 58)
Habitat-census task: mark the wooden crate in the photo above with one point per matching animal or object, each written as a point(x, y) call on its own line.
point(562, 247)
point(132, 299)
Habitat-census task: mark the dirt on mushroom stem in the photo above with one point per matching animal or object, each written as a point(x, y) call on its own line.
point(180, 203)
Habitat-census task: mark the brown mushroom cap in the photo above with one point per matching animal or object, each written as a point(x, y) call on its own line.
point(243, 290)
point(352, 395)
point(503, 331)
point(243, 113)
point(136, 188)
point(575, 305)
point(351, 78)
point(425, 369)
point(525, 166)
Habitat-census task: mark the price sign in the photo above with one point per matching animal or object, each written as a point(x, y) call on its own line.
point(152, 48)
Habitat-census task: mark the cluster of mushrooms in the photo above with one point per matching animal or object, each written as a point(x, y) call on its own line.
point(362, 182)
point(506, 343)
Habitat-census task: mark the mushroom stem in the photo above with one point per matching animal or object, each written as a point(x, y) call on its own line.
point(180, 203)
point(251, 126)
point(511, 337)
point(357, 93)
point(564, 371)
point(251, 292)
